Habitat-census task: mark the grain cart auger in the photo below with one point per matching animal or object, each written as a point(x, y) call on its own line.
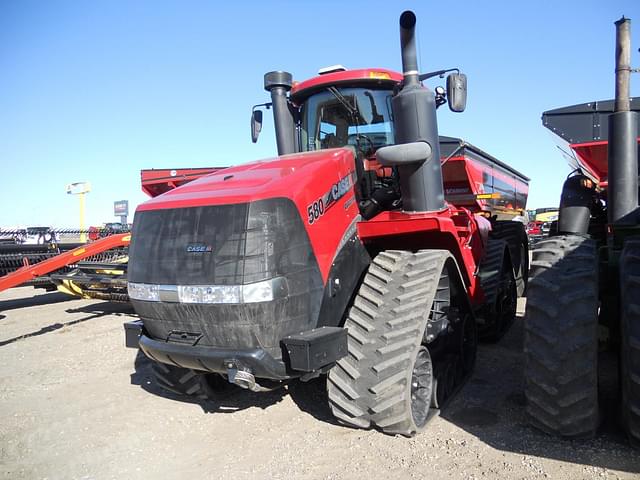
point(585, 280)
point(339, 256)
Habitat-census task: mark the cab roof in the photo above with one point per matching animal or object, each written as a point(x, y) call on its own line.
point(366, 76)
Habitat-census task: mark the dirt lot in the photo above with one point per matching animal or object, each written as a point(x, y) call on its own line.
point(74, 403)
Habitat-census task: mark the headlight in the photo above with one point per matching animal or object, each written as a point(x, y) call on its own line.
point(264, 291)
point(143, 291)
point(258, 292)
point(209, 294)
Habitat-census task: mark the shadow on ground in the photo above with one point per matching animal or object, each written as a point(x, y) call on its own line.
point(491, 406)
point(36, 300)
point(105, 308)
point(95, 311)
point(310, 397)
point(226, 398)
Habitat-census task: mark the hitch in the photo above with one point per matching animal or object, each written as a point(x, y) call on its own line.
point(242, 377)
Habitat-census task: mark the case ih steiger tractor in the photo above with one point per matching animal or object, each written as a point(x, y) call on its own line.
point(584, 294)
point(340, 256)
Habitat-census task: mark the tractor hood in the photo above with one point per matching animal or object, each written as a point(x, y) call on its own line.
point(294, 176)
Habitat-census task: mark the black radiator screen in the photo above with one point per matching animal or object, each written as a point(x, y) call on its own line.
point(189, 246)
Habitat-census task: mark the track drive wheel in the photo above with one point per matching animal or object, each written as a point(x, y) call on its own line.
point(513, 232)
point(561, 337)
point(183, 381)
point(387, 379)
point(630, 333)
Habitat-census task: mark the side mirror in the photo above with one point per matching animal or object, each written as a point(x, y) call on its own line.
point(457, 91)
point(256, 124)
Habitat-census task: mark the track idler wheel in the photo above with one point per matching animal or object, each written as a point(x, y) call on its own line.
point(421, 387)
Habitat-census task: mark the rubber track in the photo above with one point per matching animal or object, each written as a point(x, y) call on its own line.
point(561, 337)
point(180, 381)
point(491, 268)
point(514, 234)
point(630, 354)
point(370, 387)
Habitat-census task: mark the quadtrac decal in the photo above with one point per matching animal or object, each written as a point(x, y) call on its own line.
point(319, 207)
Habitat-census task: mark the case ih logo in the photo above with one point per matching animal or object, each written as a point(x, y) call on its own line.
point(199, 248)
point(338, 190)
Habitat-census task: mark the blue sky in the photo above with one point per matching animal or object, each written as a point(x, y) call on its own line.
point(96, 91)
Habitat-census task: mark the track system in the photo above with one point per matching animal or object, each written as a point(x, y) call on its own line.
point(500, 291)
point(402, 324)
point(180, 381)
point(514, 234)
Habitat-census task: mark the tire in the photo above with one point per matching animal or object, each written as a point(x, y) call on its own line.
point(500, 291)
point(513, 232)
point(386, 380)
point(630, 344)
point(561, 337)
point(181, 381)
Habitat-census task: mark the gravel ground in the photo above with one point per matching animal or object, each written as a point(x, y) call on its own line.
point(74, 403)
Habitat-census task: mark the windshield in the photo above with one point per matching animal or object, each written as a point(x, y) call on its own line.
point(336, 117)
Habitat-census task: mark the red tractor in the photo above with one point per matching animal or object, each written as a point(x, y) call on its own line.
point(341, 256)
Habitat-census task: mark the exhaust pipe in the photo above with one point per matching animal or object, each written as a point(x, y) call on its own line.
point(278, 84)
point(414, 111)
point(623, 129)
point(408, 48)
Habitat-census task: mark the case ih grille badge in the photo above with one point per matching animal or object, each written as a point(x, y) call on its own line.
point(338, 190)
point(199, 248)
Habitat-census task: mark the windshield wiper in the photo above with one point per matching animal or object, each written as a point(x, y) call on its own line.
point(353, 111)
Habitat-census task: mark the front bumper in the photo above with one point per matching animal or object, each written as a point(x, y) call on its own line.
point(309, 351)
point(208, 359)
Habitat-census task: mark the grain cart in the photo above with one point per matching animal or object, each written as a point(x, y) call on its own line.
point(585, 285)
point(340, 256)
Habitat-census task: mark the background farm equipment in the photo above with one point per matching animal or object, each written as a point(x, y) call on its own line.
point(585, 285)
point(102, 275)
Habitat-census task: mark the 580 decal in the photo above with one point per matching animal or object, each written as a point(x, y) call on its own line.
point(315, 210)
point(338, 190)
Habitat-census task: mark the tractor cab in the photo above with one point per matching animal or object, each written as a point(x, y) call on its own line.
point(346, 108)
point(338, 108)
point(357, 109)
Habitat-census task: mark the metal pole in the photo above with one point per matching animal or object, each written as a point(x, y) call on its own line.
point(83, 235)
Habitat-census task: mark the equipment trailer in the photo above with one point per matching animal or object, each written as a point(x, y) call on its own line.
point(585, 279)
point(340, 256)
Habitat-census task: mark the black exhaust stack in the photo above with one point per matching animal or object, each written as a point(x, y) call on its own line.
point(278, 84)
point(414, 111)
point(622, 199)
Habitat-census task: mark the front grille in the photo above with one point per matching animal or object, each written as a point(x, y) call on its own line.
point(249, 243)
point(161, 238)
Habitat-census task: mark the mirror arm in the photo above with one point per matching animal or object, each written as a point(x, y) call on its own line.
point(265, 105)
point(437, 73)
